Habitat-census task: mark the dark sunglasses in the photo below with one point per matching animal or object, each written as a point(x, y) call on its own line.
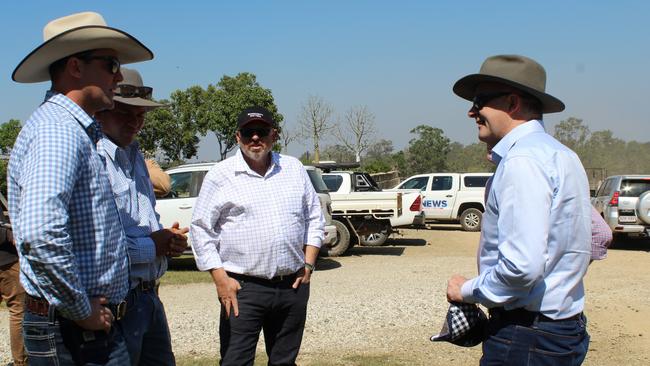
point(480, 100)
point(112, 62)
point(132, 91)
point(259, 131)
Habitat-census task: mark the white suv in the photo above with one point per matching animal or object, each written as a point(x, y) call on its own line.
point(624, 203)
point(186, 181)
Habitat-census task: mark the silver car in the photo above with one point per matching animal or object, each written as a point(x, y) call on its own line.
point(624, 203)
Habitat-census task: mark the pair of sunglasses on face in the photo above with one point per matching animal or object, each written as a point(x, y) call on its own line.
point(261, 132)
point(480, 100)
point(132, 91)
point(113, 63)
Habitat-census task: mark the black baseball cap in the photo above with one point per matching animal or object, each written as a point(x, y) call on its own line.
point(255, 114)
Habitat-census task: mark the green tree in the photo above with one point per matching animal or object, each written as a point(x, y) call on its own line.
point(338, 153)
point(428, 152)
point(8, 133)
point(224, 102)
point(379, 157)
point(172, 130)
point(468, 159)
point(572, 133)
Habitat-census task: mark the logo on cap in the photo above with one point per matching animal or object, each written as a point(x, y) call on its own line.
point(255, 115)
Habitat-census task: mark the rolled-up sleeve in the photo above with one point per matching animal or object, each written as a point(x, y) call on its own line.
point(314, 219)
point(205, 239)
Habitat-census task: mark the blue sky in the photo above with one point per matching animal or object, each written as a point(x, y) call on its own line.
point(400, 58)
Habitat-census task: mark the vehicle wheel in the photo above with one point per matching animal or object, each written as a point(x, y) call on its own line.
point(342, 243)
point(470, 219)
point(375, 239)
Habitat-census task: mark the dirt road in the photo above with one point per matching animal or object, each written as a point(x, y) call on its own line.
point(384, 303)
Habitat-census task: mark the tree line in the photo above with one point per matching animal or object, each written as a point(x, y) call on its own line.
point(171, 135)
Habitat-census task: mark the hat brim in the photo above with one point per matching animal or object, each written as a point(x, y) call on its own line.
point(35, 67)
point(466, 89)
point(138, 102)
point(255, 120)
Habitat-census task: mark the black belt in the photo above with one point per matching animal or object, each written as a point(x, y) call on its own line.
point(282, 279)
point(39, 306)
point(145, 286)
point(524, 317)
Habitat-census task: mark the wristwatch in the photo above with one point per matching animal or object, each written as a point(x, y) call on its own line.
point(310, 267)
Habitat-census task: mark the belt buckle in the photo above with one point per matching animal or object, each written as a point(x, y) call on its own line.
point(120, 310)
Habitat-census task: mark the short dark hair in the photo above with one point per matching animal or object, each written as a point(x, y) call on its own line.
point(57, 67)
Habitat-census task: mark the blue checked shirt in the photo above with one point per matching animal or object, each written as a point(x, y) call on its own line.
point(256, 225)
point(66, 225)
point(135, 202)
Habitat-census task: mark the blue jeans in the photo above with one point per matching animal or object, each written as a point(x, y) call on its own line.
point(146, 330)
point(553, 343)
point(45, 345)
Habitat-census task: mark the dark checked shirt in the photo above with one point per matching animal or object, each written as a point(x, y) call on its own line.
point(66, 224)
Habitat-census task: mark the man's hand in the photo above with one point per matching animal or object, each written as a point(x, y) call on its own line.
point(100, 317)
point(227, 289)
point(453, 288)
point(171, 241)
point(304, 276)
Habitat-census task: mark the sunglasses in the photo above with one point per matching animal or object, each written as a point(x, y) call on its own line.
point(480, 100)
point(132, 91)
point(112, 62)
point(259, 131)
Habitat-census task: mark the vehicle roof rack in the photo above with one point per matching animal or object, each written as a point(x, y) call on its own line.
point(329, 166)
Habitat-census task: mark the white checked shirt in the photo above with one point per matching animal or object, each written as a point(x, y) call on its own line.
point(256, 225)
point(135, 201)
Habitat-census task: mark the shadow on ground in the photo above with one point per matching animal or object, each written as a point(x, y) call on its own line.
point(630, 243)
point(325, 264)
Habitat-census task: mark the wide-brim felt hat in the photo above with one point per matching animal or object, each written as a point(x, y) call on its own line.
point(76, 33)
point(519, 72)
point(132, 77)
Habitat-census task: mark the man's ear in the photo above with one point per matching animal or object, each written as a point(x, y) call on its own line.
point(74, 67)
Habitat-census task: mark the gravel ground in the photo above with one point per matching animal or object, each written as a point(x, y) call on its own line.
point(387, 301)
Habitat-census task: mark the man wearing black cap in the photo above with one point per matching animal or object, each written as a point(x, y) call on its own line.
point(257, 227)
point(145, 323)
point(535, 241)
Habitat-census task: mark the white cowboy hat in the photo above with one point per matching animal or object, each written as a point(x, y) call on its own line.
point(130, 88)
point(73, 34)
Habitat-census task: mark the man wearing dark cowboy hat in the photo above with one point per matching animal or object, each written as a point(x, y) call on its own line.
point(535, 241)
point(257, 227)
point(145, 324)
point(73, 251)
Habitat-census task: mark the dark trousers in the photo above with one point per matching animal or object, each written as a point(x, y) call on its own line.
point(535, 341)
point(146, 330)
point(277, 309)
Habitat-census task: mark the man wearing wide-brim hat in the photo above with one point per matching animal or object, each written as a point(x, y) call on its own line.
point(73, 251)
point(145, 325)
point(535, 241)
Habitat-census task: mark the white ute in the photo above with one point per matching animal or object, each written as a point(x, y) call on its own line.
point(451, 197)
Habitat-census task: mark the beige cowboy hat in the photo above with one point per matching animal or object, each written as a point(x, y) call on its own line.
point(131, 91)
point(516, 71)
point(73, 34)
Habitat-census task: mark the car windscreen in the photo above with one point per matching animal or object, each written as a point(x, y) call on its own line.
point(317, 181)
point(634, 187)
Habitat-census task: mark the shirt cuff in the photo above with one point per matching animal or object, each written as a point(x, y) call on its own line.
point(467, 291)
point(142, 250)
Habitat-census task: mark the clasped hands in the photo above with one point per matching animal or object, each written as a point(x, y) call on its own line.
point(170, 242)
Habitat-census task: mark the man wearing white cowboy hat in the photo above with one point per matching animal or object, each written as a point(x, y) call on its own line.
point(73, 251)
point(145, 324)
point(535, 241)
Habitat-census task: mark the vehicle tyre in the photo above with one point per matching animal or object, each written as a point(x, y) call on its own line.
point(643, 207)
point(375, 239)
point(470, 219)
point(342, 243)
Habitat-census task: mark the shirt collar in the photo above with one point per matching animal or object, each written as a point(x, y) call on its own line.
point(241, 166)
point(111, 148)
point(500, 150)
point(52, 96)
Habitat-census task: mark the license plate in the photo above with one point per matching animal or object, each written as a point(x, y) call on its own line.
point(627, 219)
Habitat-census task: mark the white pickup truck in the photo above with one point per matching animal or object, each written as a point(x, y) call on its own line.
point(451, 197)
point(365, 214)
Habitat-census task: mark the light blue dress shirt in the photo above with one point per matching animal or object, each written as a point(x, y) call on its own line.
point(136, 203)
point(65, 220)
point(256, 225)
point(535, 241)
